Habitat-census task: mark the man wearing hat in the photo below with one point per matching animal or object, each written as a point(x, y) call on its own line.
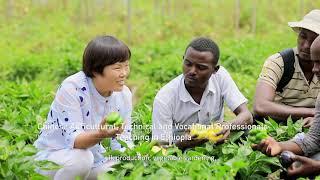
point(286, 85)
point(307, 149)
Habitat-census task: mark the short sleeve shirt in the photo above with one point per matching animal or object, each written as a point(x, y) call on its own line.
point(174, 107)
point(298, 92)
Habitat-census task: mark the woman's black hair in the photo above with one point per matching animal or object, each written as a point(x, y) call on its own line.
point(103, 51)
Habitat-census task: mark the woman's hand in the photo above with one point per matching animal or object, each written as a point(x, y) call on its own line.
point(106, 131)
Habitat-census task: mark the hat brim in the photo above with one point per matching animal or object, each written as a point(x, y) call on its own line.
point(296, 26)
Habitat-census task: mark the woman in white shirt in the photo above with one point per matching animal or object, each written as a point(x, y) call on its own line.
point(73, 131)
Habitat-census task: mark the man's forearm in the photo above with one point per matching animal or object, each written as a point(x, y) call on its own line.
point(281, 111)
point(87, 139)
point(291, 146)
point(243, 118)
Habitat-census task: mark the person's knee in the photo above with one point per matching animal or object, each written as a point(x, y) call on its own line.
point(81, 160)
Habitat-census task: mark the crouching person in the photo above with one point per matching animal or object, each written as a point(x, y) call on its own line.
point(76, 123)
point(197, 97)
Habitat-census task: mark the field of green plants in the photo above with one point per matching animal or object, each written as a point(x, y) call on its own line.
point(42, 43)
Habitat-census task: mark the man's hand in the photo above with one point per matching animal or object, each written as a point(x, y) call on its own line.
point(107, 132)
point(307, 167)
point(190, 141)
point(307, 122)
point(268, 146)
point(195, 139)
point(225, 132)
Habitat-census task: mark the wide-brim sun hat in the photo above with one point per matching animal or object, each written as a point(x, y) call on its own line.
point(311, 22)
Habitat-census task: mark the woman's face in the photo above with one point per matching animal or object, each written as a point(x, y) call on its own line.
point(113, 77)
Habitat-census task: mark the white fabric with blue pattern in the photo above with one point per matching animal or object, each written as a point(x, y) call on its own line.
point(78, 107)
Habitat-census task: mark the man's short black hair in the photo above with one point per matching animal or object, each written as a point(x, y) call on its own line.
point(103, 51)
point(205, 44)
